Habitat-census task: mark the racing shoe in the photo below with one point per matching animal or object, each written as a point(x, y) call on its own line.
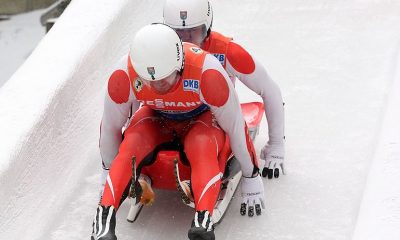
point(202, 227)
point(104, 224)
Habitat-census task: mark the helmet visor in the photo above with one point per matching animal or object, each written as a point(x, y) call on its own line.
point(195, 35)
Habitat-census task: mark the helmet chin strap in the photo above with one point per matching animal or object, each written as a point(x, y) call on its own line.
point(205, 41)
point(208, 34)
point(180, 72)
point(209, 28)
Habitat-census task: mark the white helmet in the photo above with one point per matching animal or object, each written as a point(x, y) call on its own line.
point(180, 14)
point(156, 52)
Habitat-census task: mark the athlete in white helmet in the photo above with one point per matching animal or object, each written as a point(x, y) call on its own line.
point(192, 20)
point(197, 115)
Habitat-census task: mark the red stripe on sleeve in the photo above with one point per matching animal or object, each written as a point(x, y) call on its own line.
point(214, 88)
point(119, 86)
point(240, 59)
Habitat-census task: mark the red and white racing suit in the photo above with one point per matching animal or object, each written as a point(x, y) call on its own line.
point(241, 64)
point(236, 61)
point(200, 109)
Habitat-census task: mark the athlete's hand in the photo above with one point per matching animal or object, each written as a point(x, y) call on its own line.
point(274, 156)
point(252, 195)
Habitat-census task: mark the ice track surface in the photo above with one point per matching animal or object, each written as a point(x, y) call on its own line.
point(335, 62)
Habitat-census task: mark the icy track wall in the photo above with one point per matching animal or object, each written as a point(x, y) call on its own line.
point(45, 107)
point(379, 216)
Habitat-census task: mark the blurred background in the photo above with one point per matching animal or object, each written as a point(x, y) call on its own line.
point(22, 6)
point(23, 23)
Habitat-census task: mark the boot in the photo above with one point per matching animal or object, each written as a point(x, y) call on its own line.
point(104, 224)
point(202, 227)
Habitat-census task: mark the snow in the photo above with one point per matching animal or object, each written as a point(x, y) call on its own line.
point(18, 38)
point(337, 65)
point(381, 202)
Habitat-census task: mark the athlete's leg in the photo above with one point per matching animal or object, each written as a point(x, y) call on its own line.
point(141, 137)
point(203, 143)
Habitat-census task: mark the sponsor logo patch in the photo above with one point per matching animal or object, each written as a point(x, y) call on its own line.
point(138, 84)
point(220, 57)
point(161, 104)
point(191, 85)
point(196, 50)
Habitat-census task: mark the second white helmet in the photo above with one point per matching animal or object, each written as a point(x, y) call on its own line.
point(181, 14)
point(156, 52)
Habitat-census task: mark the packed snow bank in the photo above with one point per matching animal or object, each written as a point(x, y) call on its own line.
point(45, 107)
point(379, 215)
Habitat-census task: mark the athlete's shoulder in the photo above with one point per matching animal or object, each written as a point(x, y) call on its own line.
point(193, 49)
point(194, 55)
point(216, 42)
point(118, 87)
point(217, 36)
point(214, 82)
point(239, 58)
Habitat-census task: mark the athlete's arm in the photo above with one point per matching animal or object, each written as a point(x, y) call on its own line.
point(253, 74)
point(119, 103)
point(217, 91)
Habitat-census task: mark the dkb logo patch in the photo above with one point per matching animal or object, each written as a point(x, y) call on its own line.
point(191, 85)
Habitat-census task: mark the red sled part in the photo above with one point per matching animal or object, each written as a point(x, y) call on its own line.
point(252, 113)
